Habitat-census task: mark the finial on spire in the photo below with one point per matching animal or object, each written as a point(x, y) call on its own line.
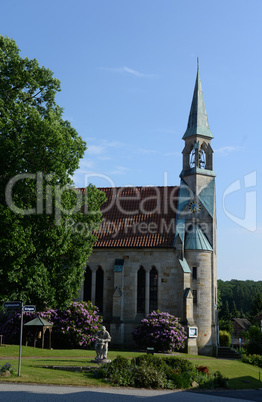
point(197, 64)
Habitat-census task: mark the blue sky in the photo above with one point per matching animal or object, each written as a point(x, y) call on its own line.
point(127, 72)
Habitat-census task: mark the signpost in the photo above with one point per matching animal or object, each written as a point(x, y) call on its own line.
point(20, 343)
point(18, 305)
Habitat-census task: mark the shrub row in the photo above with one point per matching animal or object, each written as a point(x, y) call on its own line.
point(255, 360)
point(148, 371)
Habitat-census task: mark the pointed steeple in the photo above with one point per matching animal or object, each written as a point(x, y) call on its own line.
point(197, 122)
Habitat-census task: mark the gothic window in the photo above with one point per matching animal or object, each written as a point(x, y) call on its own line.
point(87, 284)
point(141, 290)
point(197, 157)
point(202, 159)
point(194, 296)
point(153, 294)
point(192, 158)
point(99, 298)
point(194, 272)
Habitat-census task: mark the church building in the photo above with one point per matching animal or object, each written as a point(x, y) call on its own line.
point(156, 247)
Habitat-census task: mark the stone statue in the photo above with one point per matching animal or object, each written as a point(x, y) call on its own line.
point(102, 339)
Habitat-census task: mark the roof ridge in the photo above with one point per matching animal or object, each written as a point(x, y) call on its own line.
point(116, 187)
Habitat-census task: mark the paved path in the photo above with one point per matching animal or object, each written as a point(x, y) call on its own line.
point(49, 393)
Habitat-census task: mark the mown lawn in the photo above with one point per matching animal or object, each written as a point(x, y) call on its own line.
point(240, 375)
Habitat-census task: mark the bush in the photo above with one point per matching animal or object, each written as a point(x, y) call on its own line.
point(254, 345)
point(151, 361)
point(75, 327)
point(161, 331)
point(72, 328)
point(220, 381)
point(255, 360)
point(7, 367)
point(180, 364)
point(224, 338)
point(118, 364)
point(149, 377)
point(168, 362)
point(119, 372)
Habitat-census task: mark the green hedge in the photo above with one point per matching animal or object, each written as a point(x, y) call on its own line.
point(224, 338)
point(255, 360)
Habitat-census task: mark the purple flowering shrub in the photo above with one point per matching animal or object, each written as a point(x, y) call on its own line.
point(73, 328)
point(162, 331)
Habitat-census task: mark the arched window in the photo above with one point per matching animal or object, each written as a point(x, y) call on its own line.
point(153, 295)
point(99, 289)
point(202, 158)
point(87, 284)
point(141, 290)
point(197, 156)
point(192, 158)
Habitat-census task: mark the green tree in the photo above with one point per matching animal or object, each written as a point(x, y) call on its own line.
point(254, 346)
point(226, 314)
point(46, 226)
point(235, 312)
point(225, 323)
point(219, 299)
point(256, 308)
point(241, 314)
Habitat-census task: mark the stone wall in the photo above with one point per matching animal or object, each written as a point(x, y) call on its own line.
point(120, 288)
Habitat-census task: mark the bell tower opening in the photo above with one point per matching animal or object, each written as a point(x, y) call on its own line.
point(202, 159)
point(198, 156)
point(192, 158)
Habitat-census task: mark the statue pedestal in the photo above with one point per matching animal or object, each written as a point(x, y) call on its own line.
point(101, 361)
point(192, 348)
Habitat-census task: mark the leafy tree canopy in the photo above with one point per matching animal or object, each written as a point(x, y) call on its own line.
point(45, 238)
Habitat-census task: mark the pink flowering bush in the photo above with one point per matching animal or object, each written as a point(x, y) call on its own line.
point(73, 328)
point(162, 331)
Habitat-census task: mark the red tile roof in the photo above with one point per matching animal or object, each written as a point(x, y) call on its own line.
point(138, 217)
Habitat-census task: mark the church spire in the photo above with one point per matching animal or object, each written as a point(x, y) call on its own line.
point(197, 122)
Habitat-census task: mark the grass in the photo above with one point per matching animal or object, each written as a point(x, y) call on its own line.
point(241, 375)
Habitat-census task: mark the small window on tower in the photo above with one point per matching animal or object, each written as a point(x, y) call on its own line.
point(202, 159)
point(194, 296)
point(192, 158)
point(194, 272)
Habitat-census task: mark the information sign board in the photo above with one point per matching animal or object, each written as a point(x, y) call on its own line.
point(192, 332)
point(13, 304)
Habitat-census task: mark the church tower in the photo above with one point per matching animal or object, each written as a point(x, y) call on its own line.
point(195, 237)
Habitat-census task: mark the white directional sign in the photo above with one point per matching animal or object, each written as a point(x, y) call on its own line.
point(30, 309)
